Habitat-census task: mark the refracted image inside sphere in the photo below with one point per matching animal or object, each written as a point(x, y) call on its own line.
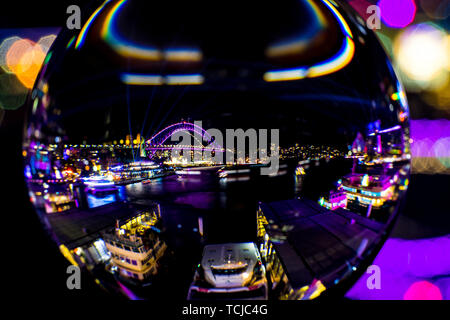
point(218, 150)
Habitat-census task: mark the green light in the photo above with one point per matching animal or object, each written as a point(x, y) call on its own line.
point(47, 58)
point(71, 41)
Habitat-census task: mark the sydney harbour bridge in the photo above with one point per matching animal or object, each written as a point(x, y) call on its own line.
point(159, 140)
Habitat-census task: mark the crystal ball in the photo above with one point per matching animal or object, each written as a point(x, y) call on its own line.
point(231, 150)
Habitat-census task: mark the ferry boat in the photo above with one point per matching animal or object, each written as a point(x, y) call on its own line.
point(334, 200)
point(136, 248)
point(98, 185)
point(368, 189)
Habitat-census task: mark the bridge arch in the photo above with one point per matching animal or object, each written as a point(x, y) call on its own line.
point(158, 139)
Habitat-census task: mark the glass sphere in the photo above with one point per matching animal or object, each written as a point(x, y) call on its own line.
point(200, 150)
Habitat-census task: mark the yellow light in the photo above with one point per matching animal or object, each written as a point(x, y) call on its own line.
point(283, 75)
point(84, 30)
point(183, 55)
point(125, 50)
point(319, 288)
point(336, 64)
point(421, 52)
point(333, 64)
point(140, 80)
point(29, 66)
point(340, 18)
point(24, 58)
point(397, 96)
point(448, 52)
point(66, 253)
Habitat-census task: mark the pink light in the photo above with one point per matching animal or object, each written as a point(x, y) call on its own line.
point(197, 129)
point(431, 138)
point(423, 290)
point(128, 292)
point(397, 13)
point(361, 7)
point(405, 264)
point(391, 129)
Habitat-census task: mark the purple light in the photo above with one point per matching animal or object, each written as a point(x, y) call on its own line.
point(185, 148)
point(391, 129)
point(397, 13)
point(128, 292)
point(431, 138)
point(197, 129)
point(406, 263)
point(430, 129)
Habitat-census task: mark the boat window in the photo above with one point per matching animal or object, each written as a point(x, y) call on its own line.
point(226, 271)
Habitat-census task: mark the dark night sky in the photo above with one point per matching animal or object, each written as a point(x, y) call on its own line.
point(328, 110)
point(29, 245)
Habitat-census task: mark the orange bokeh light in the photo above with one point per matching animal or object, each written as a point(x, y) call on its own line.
point(29, 66)
point(16, 51)
point(24, 58)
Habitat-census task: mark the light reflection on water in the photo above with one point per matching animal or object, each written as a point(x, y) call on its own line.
point(97, 201)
